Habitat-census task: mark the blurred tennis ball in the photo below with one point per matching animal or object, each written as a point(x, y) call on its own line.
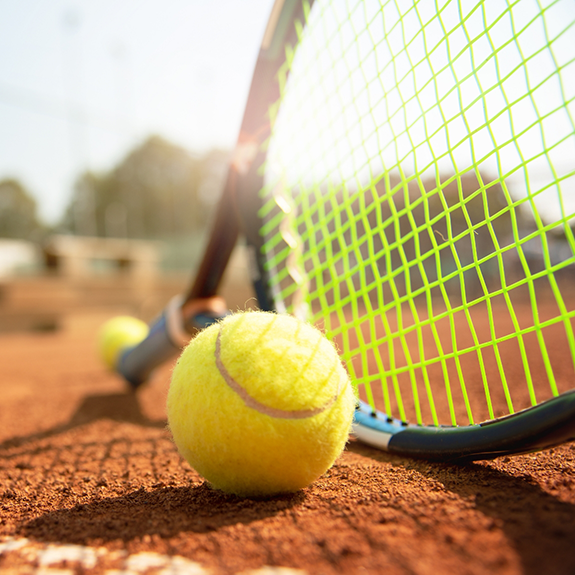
point(260, 404)
point(117, 334)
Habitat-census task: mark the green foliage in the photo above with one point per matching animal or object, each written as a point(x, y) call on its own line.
point(457, 231)
point(158, 191)
point(457, 227)
point(18, 213)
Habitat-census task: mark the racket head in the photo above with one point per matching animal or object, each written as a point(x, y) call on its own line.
point(418, 202)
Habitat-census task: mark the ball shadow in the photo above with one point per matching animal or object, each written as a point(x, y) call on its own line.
point(163, 511)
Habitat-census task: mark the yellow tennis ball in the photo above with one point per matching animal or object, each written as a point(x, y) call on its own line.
point(260, 404)
point(117, 334)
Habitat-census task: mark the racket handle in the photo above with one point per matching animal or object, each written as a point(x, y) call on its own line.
point(168, 335)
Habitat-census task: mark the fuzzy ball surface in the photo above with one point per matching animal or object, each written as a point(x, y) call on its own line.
point(117, 334)
point(260, 404)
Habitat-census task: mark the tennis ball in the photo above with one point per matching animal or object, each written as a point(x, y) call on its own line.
point(260, 404)
point(117, 334)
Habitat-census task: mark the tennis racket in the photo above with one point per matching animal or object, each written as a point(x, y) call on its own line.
point(405, 178)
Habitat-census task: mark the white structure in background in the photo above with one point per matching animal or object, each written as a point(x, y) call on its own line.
point(81, 256)
point(18, 256)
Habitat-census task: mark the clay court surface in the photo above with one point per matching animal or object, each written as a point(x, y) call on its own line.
point(90, 482)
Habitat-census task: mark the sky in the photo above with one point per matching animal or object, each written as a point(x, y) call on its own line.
point(82, 83)
point(386, 87)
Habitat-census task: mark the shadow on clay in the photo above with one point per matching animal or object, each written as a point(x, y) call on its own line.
point(120, 407)
point(162, 511)
point(539, 525)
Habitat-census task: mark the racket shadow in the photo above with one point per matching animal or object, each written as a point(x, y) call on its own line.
point(163, 511)
point(538, 524)
point(119, 407)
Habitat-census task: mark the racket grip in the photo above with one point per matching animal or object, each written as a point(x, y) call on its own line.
point(168, 335)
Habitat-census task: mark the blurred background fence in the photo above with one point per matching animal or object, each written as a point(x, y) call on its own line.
point(127, 242)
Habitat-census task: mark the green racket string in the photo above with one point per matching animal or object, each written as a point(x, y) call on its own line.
point(419, 200)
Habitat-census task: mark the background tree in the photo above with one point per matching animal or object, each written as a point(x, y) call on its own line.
point(424, 231)
point(467, 219)
point(18, 212)
point(159, 190)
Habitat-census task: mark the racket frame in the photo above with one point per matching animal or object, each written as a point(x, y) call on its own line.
point(236, 212)
point(545, 425)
